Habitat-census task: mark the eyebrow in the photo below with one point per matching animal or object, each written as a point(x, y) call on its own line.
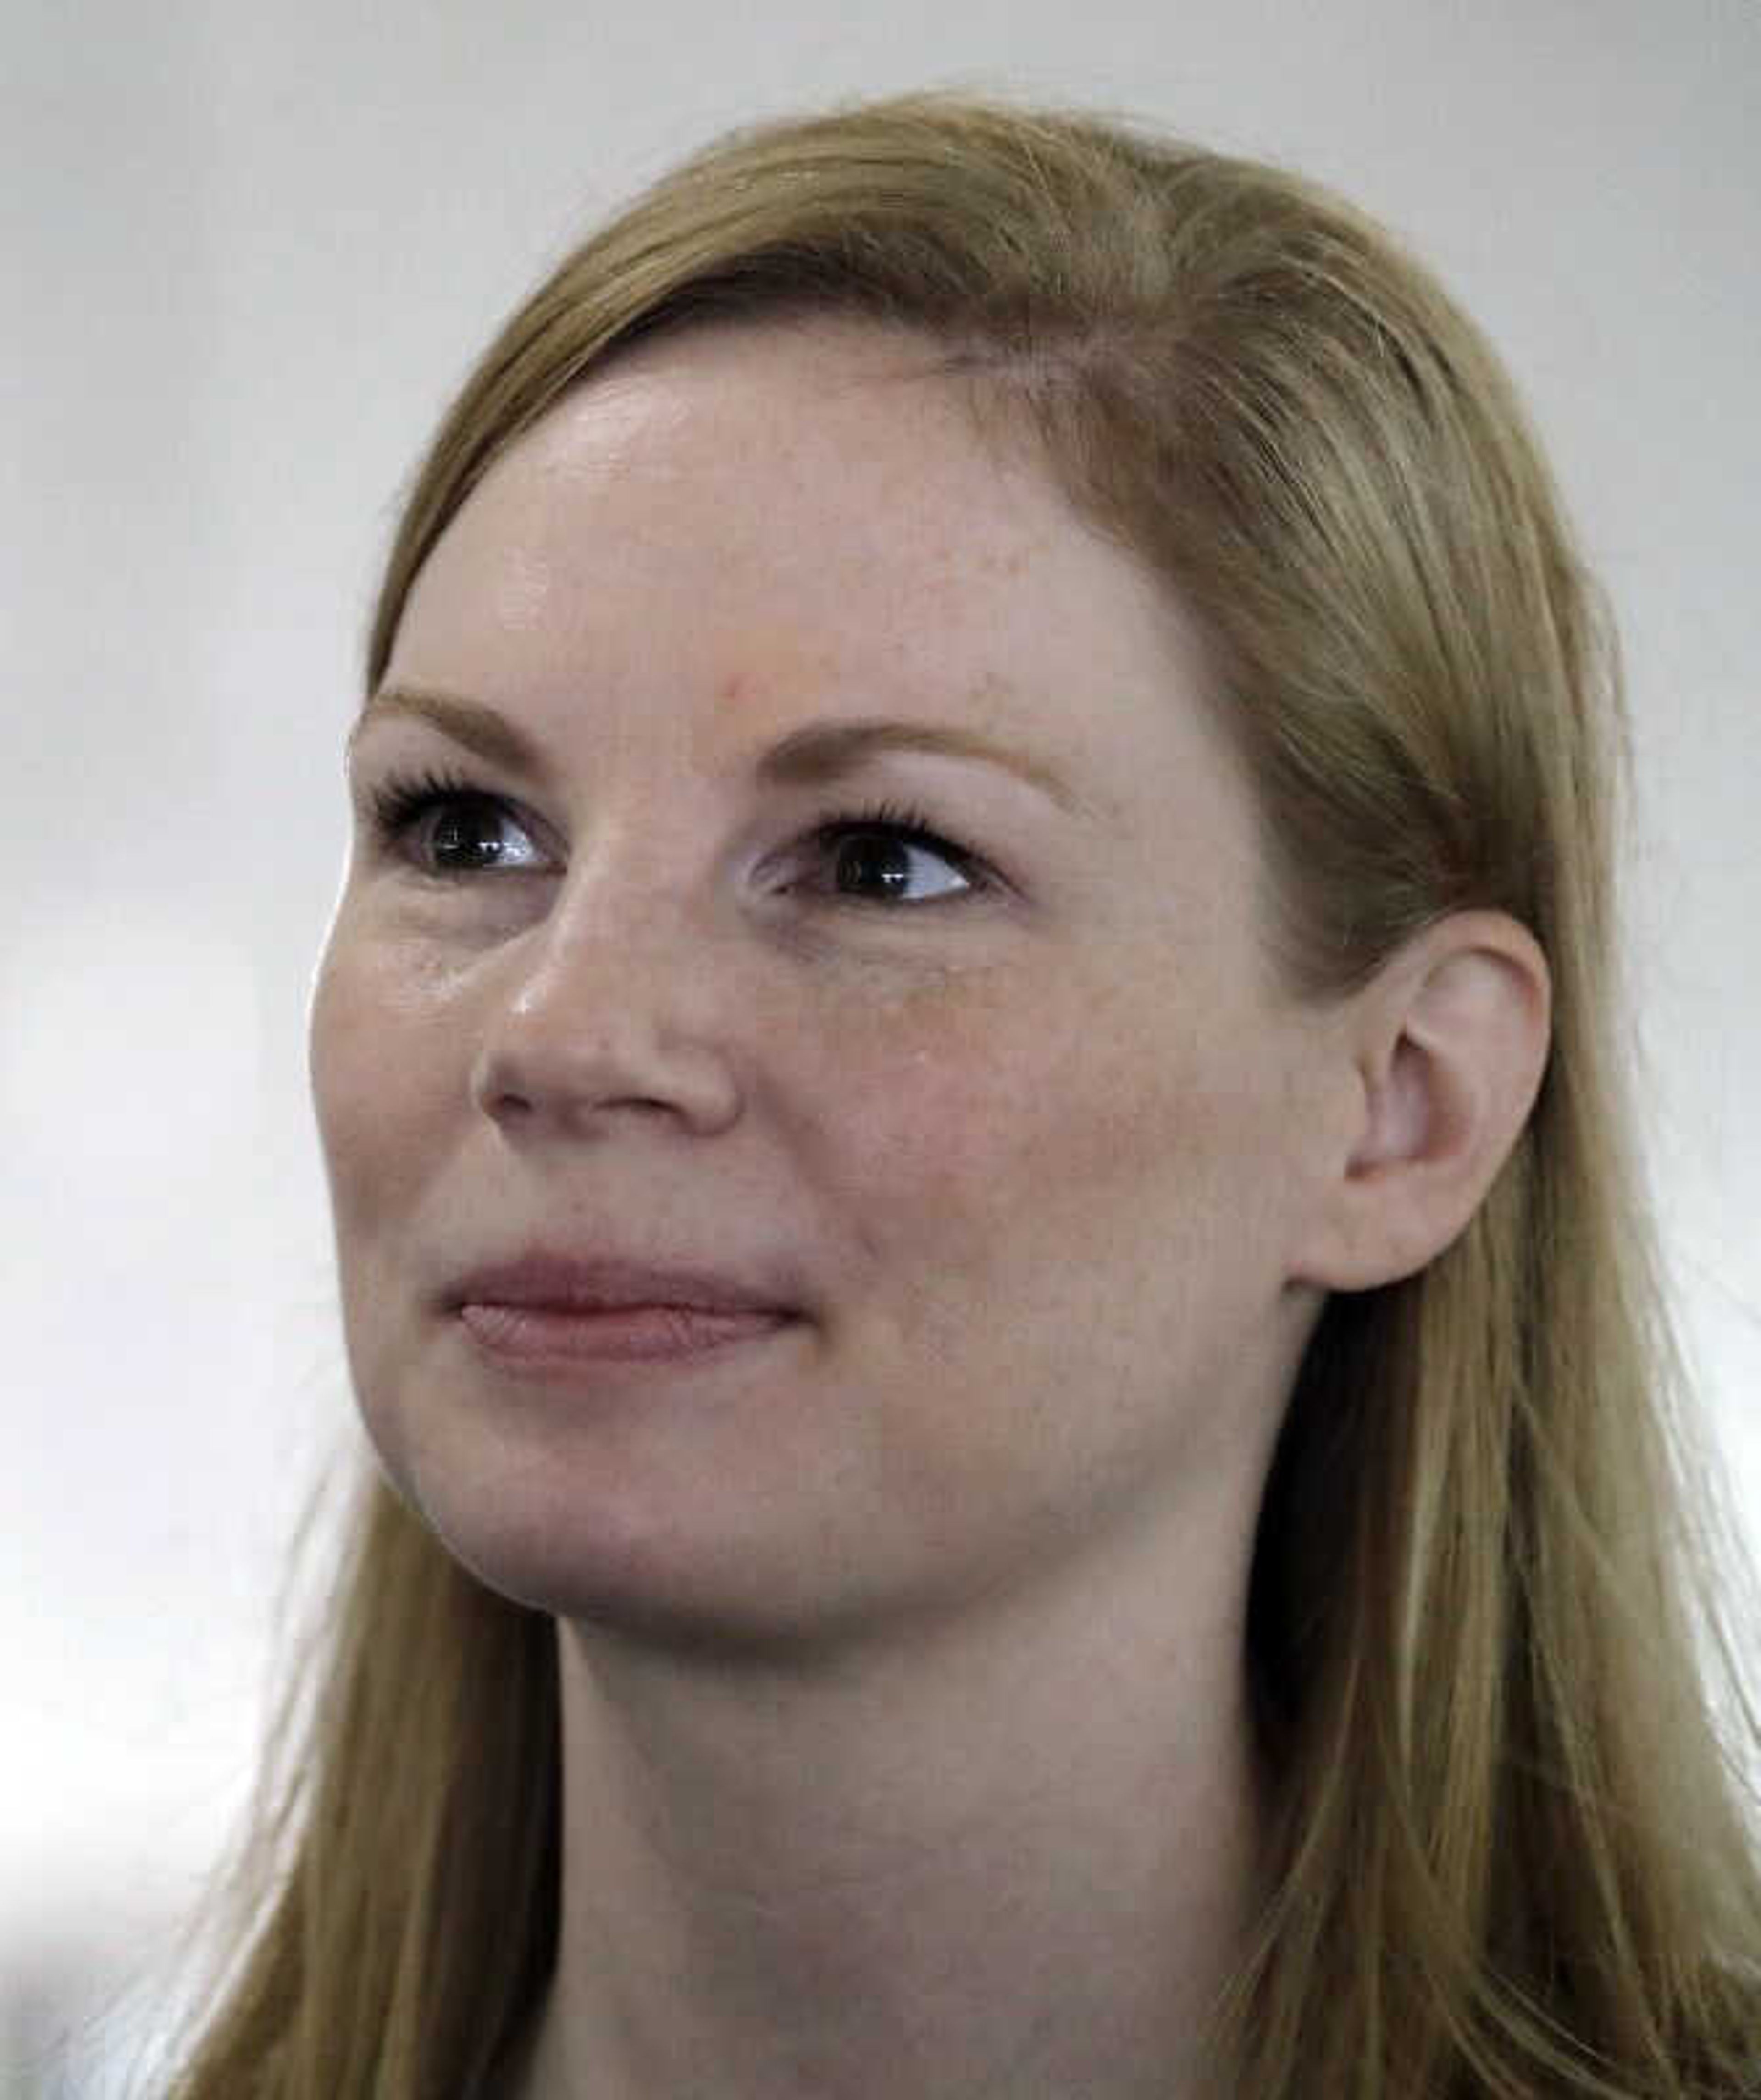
point(809, 756)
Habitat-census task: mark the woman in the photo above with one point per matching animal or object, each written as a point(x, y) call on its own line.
point(984, 1198)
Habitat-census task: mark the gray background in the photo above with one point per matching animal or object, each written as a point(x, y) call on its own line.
point(248, 247)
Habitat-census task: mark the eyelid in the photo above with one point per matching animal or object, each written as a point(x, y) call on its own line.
point(392, 805)
point(915, 828)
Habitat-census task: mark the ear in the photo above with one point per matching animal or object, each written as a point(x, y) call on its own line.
point(1441, 1058)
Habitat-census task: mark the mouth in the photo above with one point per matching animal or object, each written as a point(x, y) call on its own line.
point(606, 1283)
point(534, 1337)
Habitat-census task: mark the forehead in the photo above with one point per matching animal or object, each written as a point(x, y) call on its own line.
point(767, 462)
point(730, 530)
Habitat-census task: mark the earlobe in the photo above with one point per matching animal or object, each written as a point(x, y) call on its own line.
point(1449, 1042)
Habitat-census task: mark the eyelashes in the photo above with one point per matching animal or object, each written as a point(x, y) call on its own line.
point(905, 828)
point(417, 816)
point(400, 808)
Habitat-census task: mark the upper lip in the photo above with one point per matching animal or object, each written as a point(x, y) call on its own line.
point(586, 1283)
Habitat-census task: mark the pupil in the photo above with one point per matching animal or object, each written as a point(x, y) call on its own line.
point(858, 855)
point(458, 833)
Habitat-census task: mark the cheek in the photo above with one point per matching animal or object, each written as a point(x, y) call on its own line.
point(384, 1062)
point(383, 1058)
point(1068, 1275)
point(1080, 1162)
point(997, 1114)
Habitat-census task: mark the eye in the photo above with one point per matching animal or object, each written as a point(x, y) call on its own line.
point(449, 828)
point(892, 838)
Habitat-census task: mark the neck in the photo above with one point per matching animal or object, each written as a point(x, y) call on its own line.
point(1020, 1854)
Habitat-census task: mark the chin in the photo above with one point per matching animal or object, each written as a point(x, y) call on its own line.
point(686, 1559)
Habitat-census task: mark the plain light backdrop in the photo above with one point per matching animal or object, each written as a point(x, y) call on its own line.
point(250, 248)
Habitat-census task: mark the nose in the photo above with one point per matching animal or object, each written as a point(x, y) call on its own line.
point(601, 1010)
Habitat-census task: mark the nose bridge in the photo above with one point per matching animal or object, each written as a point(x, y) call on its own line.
point(608, 998)
point(626, 912)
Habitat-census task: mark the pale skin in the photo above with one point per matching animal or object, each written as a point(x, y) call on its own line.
point(905, 1747)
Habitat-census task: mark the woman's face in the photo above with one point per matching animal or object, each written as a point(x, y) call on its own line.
point(1017, 1124)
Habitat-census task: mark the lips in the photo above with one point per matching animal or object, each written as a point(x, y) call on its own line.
point(552, 1281)
point(541, 1339)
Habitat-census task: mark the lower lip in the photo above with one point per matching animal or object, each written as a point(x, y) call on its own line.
point(631, 1334)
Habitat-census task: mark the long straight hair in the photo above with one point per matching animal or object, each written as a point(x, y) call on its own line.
point(1490, 1626)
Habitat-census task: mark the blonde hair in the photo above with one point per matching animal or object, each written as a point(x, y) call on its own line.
point(1512, 1851)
